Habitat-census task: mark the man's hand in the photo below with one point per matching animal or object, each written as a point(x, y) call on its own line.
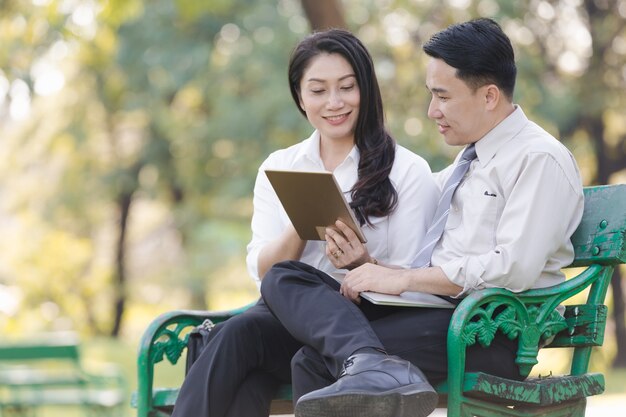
point(370, 277)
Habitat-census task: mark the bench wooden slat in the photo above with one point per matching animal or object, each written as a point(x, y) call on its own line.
point(533, 391)
point(31, 377)
point(585, 326)
point(599, 239)
point(48, 351)
point(61, 397)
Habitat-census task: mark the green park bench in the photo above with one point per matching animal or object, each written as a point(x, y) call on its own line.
point(530, 317)
point(48, 372)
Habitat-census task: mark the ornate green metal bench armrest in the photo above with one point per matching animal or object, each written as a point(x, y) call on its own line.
point(166, 338)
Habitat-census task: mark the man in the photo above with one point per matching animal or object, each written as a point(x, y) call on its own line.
point(508, 225)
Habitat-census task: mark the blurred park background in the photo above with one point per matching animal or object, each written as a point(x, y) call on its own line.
point(131, 132)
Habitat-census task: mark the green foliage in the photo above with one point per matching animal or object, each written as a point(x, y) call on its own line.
point(175, 104)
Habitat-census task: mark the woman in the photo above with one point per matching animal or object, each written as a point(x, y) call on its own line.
point(332, 80)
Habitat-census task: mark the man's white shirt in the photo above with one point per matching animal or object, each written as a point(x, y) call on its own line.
point(512, 217)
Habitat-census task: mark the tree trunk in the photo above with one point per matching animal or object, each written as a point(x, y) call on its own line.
point(124, 203)
point(324, 14)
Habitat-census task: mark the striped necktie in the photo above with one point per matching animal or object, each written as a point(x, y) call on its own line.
point(422, 259)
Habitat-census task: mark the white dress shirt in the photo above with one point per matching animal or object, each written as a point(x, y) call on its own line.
point(393, 239)
point(512, 217)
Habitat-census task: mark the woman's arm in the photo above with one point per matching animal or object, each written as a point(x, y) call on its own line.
point(274, 239)
point(288, 246)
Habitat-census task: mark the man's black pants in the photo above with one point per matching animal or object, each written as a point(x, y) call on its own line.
point(248, 356)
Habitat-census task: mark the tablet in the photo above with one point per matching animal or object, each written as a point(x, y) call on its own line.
point(313, 201)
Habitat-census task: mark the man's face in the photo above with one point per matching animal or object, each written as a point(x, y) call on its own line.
point(460, 113)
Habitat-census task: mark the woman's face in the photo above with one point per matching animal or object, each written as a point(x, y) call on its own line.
point(330, 96)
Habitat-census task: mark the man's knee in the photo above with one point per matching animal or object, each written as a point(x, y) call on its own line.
point(277, 273)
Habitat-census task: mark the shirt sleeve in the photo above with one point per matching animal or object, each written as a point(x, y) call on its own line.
point(266, 222)
point(417, 200)
point(537, 221)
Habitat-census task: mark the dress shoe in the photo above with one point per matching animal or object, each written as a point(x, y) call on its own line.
point(372, 385)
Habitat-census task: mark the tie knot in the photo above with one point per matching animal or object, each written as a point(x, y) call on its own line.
point(469, 154)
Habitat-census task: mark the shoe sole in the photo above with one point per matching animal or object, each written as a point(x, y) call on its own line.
point(412, 401)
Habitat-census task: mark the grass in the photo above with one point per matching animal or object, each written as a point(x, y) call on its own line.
point(98, 352)
point(124, 355)
point(615, 381)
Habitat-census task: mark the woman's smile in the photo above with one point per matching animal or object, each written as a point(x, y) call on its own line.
point(337, 119)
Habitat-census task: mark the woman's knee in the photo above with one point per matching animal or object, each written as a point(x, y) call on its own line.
point(309, 360)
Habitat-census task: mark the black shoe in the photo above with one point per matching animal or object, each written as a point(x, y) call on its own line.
point(372, 385)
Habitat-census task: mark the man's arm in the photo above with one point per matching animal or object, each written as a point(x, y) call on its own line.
point(538, 219)
point(389, 280)
point(532, 236)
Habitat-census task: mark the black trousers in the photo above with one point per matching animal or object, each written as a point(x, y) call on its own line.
point(330, 327)
point(237, 374)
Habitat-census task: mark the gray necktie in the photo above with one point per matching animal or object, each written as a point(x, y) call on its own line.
point(422, 259)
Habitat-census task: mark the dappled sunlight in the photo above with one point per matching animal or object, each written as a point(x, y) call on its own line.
point(231, 287)
point(171, 108)
point(132, 132)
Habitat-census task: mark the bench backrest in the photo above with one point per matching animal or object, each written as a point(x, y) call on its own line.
point(600, 244)
point(600, 236)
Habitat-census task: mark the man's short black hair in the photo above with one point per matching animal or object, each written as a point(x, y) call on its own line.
point(480, 51)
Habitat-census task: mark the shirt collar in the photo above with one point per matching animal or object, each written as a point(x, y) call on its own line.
point(504, 131)
point(311, 151)
point(354, 155)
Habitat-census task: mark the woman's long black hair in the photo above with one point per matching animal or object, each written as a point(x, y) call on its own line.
point(373, 194)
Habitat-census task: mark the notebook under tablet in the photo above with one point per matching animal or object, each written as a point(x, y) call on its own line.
point(313, 201)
